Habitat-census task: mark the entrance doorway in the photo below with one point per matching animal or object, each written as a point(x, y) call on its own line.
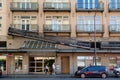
point(3, 64)
point(37, 64)
point(65, 65)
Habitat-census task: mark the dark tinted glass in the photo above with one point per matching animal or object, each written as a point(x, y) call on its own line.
point(3, 44)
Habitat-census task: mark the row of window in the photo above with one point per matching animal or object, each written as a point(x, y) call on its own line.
point(83, 61)
point(86, 23)
point(89, 4)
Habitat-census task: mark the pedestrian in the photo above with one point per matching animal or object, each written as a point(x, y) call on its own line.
point(46, 69)
point(54, 68)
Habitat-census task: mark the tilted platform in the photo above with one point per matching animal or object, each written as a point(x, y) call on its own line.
point(55, 40)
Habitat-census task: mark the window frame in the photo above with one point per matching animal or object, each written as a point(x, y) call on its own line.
point(1, 4)
point(82, 20)
point(0, 21)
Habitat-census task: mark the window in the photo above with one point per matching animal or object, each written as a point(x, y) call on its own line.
point(83, 61)
point(0, 22)
point(3, 63)
point(0, 3)
point(115, 4)
point(86, 23)
point(112, 61)
point(18, 62)
point(57, 23)
point(88, 4)
point(115, 23)
point(3, 44)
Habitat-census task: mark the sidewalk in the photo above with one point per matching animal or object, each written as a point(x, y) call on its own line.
point(38, 76)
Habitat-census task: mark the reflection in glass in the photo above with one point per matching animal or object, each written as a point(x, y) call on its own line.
point(83, 61)
point(3, 63)
point(18, 62)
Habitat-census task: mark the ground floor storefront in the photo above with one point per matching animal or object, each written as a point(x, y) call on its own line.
point(65, 63)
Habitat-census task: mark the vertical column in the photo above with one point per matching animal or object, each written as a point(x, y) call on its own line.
point(105, 60)
point(41, 15)
point(71, 63)
point(74, 63)
point(58, 63)
point(73, 18)
point(106, 19)
point(9, 64)
point(25, 64)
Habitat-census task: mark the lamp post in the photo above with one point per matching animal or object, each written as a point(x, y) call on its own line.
point(95, 62)
point(95, 53)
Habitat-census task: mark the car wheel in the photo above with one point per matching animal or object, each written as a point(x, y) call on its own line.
point(82, 75)
point(103, 75)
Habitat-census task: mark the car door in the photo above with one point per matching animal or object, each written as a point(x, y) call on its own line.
point(89, 72)
point(92, 71)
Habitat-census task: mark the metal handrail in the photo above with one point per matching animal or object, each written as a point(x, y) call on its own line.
point(114, 5)
point(90, 27)
point(24, 5)
point(94, 6)
point(114, 27)
point(57, 27)
point(57, 5)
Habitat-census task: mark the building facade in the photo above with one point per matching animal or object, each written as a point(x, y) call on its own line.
point(94, 23)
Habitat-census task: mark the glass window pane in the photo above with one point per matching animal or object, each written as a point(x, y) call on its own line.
point(3, 63)
point(80, 4)
point(91, 4)
point(18, 62)
point(0, 3)
point(112, 61)
point(0, 21)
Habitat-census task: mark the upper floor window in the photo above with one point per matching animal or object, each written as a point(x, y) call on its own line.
point(57, 0)
point(0, 22)
point(19, 19)
point(0, 3)
point(25, 0)
point(88, 4)
point(87, 23)
point(114, 3)
point(57, 20)
point(57, 23)
point(115, 23)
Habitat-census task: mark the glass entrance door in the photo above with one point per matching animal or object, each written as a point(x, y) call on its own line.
point(37, 64)
point(3, 64)
point(25, 24)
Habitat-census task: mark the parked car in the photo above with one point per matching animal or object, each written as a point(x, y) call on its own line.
point(116, 71)
point(0, 72)
point(92, 71)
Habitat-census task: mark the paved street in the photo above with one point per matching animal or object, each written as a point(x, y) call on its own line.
point(58, 79)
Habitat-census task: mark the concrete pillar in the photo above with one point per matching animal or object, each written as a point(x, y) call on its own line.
point(41, 16)
point(58, 64)
point(10, 66)
point(25, 64)
point(106, 19)
point(73, 18)
point(75, 63)
point(105, 60)
point(71, 63)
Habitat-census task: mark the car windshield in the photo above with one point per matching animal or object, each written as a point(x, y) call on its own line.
point(84, 68)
